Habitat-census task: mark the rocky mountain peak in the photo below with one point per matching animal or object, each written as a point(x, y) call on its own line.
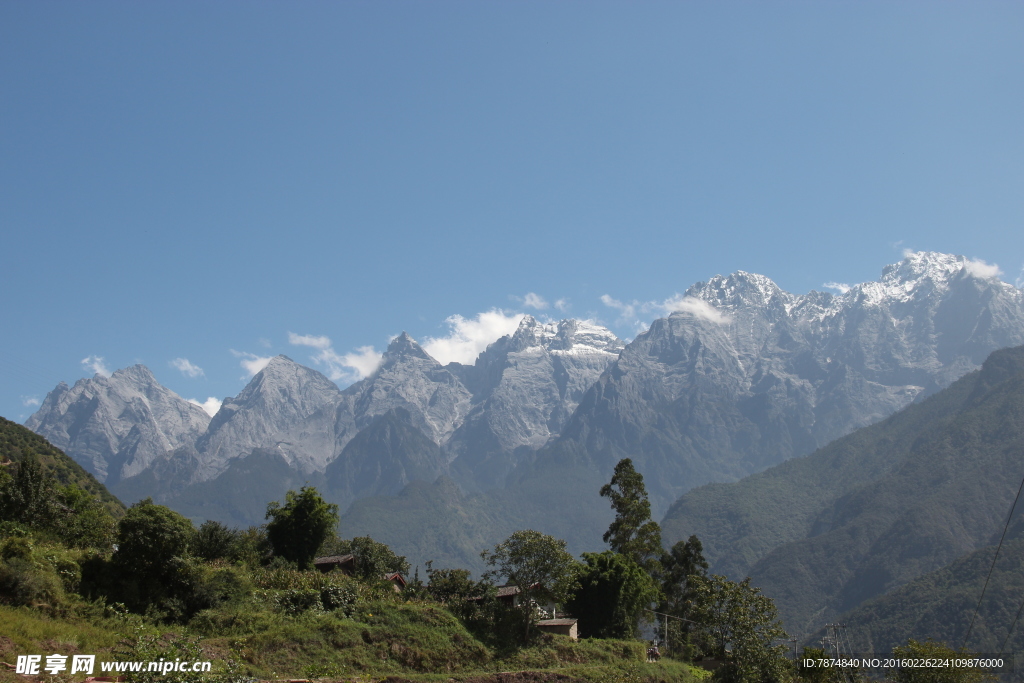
point(115, 426)
point(740, 290)
point(138, 374)
point(404, 346)
point(922, 274)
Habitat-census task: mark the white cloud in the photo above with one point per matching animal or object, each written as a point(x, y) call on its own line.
point(187, 368)
point(321, 342)
point(840, 287)
point(627, 312)
point(980, 269)
point(470, 336)
point(1020, 279)
point(532, 300)
point(250, 362)
point(29, 401)
point(97, 365)
point(562, 305)
point(698, 308)
point(348, 367)
point(210, 405)
point(631, 313)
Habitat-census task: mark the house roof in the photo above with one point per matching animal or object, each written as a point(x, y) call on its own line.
point(557, 622)
point(505, 591)
point(396, 577)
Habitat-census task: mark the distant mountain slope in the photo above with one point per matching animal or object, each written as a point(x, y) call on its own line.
point(941, 603)
point(877, 509)
point(16, 440)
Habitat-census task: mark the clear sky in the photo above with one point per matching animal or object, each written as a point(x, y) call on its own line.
point(197, 180)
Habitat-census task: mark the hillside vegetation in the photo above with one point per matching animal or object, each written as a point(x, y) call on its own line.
point(150, 586)
point(876, 509)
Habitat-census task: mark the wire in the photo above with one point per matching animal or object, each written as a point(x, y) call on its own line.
point(994, 558)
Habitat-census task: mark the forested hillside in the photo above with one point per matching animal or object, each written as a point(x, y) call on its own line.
point(876, 509)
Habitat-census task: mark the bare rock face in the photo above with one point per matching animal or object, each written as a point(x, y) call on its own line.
point(407, 378)
point(114, 426)
point(285, 408)
point(383, 458)
point(745, 375)
point(527, 386)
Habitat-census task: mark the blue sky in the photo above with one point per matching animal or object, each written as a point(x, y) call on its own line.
point(195, 180)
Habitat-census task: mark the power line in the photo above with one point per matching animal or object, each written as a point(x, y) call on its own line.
point(990, 569)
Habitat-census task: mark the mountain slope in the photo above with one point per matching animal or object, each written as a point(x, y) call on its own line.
point(16, 440)
point(285, 407)
point(526, 386)
point(116, 425)
point(940, 605)
point(879, 508)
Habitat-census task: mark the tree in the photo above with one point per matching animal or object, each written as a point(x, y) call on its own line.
point(149, 537)
point(679, 566)
point(372, 559)
point(29, 496)
point(632, 533)
point(613, 593)
point(214, 540)
point(301, 525)
point(538, 565)
point(736, 623)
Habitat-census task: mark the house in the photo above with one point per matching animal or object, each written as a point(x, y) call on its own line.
point(346, 563)
point(565, 627)
point(397, 580)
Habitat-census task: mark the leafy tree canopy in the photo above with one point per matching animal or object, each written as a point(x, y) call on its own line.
point(149, 537)
point(299, 527)
point(737, 623)
point(538, 565)
point(632, 533)
point(613, 593)
point(372, 559)
point(684, 560)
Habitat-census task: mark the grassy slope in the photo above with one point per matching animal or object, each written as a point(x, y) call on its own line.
point(412, 642)
point(15, 440)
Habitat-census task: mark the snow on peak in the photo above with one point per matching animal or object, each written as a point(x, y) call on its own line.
point(917, 272)
point(569, 335)
point(739, 290)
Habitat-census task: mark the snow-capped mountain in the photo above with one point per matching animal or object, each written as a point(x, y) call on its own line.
point(745, 375)
point(741, 376)
point(528, 384)
point(114, 426)
point(408, 378)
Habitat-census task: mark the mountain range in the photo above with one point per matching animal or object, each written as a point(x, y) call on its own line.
point(738, 377)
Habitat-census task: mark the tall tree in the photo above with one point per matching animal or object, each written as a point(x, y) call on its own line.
point(680, 568)
point(633, 533)
point(297, 528)
point(538, 565)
